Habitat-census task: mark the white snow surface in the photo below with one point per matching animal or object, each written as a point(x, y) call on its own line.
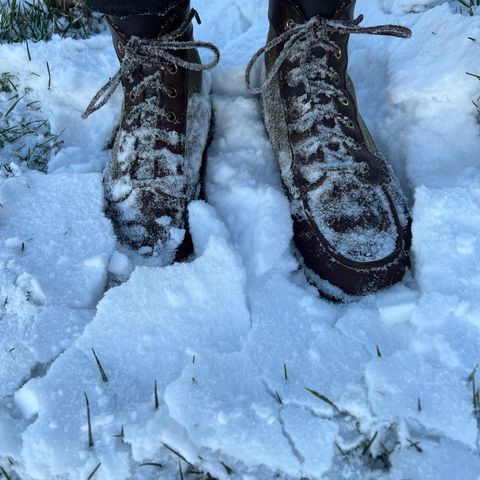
point(209, 362)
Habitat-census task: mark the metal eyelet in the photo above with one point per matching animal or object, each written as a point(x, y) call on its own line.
point(290, 23)
point(337, 54)
point(172, 92)
point(357, 146)
point(171, 117)
point(172, 69)
point(336, 79)
point(132, 96)
point(120, 47)
point(345, 101)
point(350, 124)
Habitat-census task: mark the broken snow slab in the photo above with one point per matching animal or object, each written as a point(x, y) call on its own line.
point(447, 245)
point(53, 228)
point(437, 398)
point(145, 334)
point(435, 459)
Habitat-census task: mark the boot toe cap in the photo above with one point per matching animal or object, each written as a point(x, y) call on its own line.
point(353, 236)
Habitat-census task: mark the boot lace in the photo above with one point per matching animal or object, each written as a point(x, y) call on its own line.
point(153, 53)
point(319, 80)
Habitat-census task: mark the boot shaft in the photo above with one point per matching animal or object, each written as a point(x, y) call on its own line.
point(282, 12)
point(162, 22)
point(151, 27)
point(128, 8)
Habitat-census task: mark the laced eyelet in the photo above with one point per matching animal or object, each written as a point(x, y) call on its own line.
point(172, 92)
point(132, 96)
point(172, 69)
point(171, 117)
point(345, 101)
point(357, 146)
point(290, 23)
point(350, 124)
point(337, 53)
point(336, 79)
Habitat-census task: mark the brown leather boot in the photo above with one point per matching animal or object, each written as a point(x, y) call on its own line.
point(154, 171)
point(351, 221)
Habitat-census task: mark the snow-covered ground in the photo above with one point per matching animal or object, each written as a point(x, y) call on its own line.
point(231, 362)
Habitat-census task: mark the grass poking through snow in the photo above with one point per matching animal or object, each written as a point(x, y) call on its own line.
point(323, 398)
point(469, 6)
point(100, 368)
point(3, 473)
point(151, 464)
point(177, 454)
point(36, 20)
point(368, 446)
point(95, 470)
point(24, 135)
point(472, 379)
point(91, 443)
point(155, 395)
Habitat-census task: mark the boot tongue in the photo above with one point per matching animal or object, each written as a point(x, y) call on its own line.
point(324, 8)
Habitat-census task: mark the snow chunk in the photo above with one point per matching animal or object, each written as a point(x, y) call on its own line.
point(120, 265)
point(442, 460)
point(204, 222)
point(226, 407)
point(146, 330)
point(446, 234)
point(428, 84)
point(244, 187)
point(377, 337)
point(312, 437)
point(286, 333)
point(60, 222)
point(402, 6)
point(408, 386)
point(27, 403)
point(31, 339)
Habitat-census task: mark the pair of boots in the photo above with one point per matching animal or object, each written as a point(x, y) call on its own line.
point(351, 221)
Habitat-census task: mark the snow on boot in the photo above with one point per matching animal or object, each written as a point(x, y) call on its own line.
point(351, 221)
point(154, 171)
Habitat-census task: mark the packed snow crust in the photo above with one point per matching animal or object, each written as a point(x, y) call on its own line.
point(231, 362)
